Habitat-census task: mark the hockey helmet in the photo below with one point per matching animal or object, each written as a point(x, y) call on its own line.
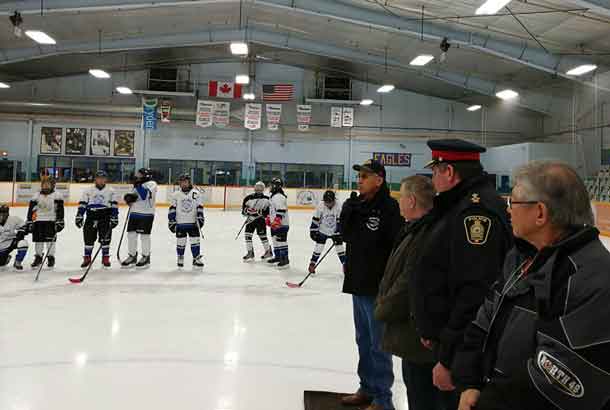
point(47, 185)
point(329, 198)
point(259, 187)
point(276, 185)
point(185, 178)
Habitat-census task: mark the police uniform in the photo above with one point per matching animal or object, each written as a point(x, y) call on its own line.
point(541, 340)
point(465, 249)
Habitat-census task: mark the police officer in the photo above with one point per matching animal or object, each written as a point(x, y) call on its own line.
point(466, 245)
point(541, 340)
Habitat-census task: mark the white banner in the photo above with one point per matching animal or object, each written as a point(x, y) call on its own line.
point(205, 113)
point(336, 115)
point(221, 115)
point(348, 117)
point(274, 115)
point(253, 116)
point(303, 117)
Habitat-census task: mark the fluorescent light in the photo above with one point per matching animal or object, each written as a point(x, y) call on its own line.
point(239, 49)
point(99, 73)
point(474, 108)
point(366, 102)
point(422, 60)
point(386, 88)
point(4, 85)
point(40, 37)
point(492, 6)
point(507, 94)
point(249, 96)
point(582, 69)
point(124, 90)
point(242, 79)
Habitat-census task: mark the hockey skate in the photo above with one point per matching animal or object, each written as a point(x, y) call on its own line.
point(51, 261)
point(275, 259)
point(18, 265)
point(284, 263)
point(312, 268)
point(268, 254)
point(130, 261)
point(37, 261)
point(86, 262)
point(144, 262)
point(8, 260)
point(106, 261)
point(198, 261)
point(249, 256)
point(180, 261)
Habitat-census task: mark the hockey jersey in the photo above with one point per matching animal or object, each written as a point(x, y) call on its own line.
point(326, 220)
point(255, 204)
point(12, 228)
point(278, 206)
point(99, 202)
point(46, 208)
point(186, 207)
point(147, 198)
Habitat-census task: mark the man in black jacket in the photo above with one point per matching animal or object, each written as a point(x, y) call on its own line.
point(541, 340)
point(369, 224)
point(466, 245)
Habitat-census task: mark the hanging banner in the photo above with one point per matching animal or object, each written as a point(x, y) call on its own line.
point(149, 113)
point(336, 115)
point(274, 115)
point(205, 112)
point(253, 116)
point(166, 109)
point(348, 117)
point(303, 117)
point(222, 114)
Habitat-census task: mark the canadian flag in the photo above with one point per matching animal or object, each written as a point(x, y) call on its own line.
point(224, 89)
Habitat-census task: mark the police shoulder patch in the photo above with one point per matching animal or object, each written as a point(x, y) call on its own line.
point(477, 229)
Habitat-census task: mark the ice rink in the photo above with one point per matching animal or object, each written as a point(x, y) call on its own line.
point(229, 337)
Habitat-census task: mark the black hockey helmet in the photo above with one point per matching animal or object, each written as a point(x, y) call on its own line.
point(101, 174)
point(329, 197)
point(185, 177)
point(4, 212)
point(49, 182)
point(276, 185)
point(144, 175)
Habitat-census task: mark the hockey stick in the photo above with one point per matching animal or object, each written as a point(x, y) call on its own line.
point(82, 278)
point(298, 285)
point(118, 249)
point(246, 222)
point(46, 256)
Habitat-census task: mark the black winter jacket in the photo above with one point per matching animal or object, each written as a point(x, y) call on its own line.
point(369, 229)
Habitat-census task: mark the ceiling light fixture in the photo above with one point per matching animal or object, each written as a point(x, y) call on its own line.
point(492, 7)
point(422, 60)
point(582, 69)
point(239, 48)
point(40, 37)
point(4, 85)
point(124, 90)
point(99, 73)
point(366, 102)
point(386, 88)
point(242, 79)
point(507, 94)
point(474, 108)
point(249, 97)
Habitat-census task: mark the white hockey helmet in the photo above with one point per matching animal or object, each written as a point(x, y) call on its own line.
point(259, 187)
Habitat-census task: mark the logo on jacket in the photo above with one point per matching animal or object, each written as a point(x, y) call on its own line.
point(477, 229)
point(373, 223)
point(187, 206)
point(559, 376)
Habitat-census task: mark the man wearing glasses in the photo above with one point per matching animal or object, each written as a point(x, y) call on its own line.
point(463, 255)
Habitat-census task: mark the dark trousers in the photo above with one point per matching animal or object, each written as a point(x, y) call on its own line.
point(421, 392)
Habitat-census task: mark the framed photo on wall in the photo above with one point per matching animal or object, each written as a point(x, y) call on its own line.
point(76, 141)
point(100, 142)
point(50, 140)
point(124, 141)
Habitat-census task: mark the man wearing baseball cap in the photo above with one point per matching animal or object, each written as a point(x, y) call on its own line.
point(463, 256)
point(369, 224)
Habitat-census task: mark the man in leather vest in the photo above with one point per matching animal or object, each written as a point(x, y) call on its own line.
point(463, 256)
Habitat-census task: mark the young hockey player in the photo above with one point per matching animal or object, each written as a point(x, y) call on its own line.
point(12, 234)
point(325, 225)
point(100, 204)
point(142, 202)
point(186, 218)
point(279, 222)
point(256, 208)
point(45, 220)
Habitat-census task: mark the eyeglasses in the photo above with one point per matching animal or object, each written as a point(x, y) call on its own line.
point(510, 202)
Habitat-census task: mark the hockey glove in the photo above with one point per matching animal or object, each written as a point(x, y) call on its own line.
point(277, 223)
point(172, 226)
point(79, 221)
point(314, 235)
point(130, 198)
point(29, 227)
point(268, 221)
point(59, 226)
point(200, 221)
point(114, 222)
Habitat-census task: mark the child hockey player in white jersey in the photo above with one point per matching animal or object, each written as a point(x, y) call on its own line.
point(141, 217)
point(45, 220)
point(256, 208)
point(325, 225)
point(100, 204)
point(279, 222)
point(186, 218)
point(12, 234)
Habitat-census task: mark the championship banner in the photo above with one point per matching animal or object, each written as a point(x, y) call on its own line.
point(274, 115)
point(205, 113)
point(348, 117)
point(221, 114)
point(303, 117)
point(336, 115)
point(149, 113)
point(393, 159)
point(166, 109)
point(253, 116)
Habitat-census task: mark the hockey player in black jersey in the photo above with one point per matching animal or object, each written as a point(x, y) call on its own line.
point(256, 208)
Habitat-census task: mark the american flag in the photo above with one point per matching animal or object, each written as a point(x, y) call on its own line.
point(278, 92)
